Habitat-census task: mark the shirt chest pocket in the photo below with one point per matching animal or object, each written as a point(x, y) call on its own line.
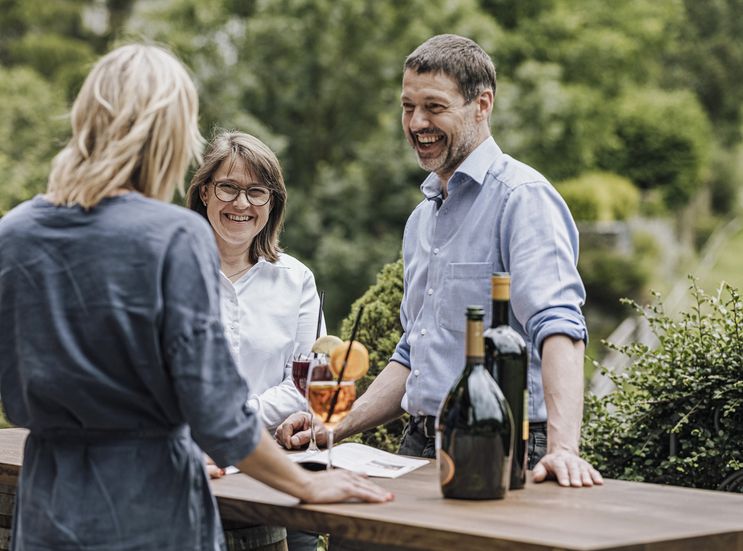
point(464, 284)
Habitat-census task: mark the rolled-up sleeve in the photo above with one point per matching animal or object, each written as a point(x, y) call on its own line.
point(402, 352)
point(539, 244)
point(211, 393)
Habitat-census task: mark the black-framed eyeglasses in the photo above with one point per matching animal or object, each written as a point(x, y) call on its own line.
point(256, 195)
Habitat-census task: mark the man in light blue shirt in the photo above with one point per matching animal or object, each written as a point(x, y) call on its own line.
point(482, 212)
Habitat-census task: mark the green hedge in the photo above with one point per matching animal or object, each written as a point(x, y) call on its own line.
point(380, 330)
point(600, 197)
point(660, 140)
point(677, 414)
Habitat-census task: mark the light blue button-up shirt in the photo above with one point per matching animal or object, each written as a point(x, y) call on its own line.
point(500, 215)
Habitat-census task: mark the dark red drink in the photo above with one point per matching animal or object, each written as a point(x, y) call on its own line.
point(299, 375)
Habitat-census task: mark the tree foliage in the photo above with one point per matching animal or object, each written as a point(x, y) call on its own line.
point(600, 197)
point(660, 140)
point(319, 81)
point(677, 414)
point(31, 131)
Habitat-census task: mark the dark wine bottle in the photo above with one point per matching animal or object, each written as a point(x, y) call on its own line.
point(474, 429)
point(507, 361)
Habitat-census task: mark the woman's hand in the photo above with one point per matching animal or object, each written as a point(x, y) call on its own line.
point(211, 468)
point(294, 432)
point(339, 485)
point(268, 464)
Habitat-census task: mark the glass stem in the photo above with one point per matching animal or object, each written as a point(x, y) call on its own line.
point(313, 443)
point(330, 449)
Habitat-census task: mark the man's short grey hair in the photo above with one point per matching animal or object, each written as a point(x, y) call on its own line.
point(458, 57)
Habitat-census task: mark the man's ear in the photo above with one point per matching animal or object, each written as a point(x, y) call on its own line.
point(484, 102)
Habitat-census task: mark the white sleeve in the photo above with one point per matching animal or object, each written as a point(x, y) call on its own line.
point(278, 402)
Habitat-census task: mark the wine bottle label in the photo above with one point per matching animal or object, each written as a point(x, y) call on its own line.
point(525, 423)
point(446, 468)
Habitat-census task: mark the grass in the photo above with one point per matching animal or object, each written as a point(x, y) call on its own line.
point(728, 266)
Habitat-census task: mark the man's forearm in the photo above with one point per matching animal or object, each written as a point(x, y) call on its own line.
point(562, 376)
point(379, 404)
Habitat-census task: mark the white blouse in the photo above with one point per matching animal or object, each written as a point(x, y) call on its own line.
point(269, 315)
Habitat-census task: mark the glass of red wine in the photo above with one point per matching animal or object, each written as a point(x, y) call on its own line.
point(300, 371)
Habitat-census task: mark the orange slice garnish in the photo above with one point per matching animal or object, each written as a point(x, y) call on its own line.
point(358, 361)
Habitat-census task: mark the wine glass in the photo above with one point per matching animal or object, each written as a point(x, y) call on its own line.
point(300, 373)
point(328, 400)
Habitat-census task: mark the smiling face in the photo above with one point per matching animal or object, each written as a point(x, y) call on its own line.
point(439, 124)
point(235, 223)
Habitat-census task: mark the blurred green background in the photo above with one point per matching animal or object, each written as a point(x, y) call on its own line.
point(631, 108)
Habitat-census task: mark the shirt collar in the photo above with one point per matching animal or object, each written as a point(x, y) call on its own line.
point(476, 166)
point(262, 264)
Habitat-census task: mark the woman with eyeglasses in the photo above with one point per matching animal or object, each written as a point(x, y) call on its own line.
point(269, 300)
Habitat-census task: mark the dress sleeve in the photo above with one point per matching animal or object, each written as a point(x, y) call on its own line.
point(211, 393)
point(539, 244)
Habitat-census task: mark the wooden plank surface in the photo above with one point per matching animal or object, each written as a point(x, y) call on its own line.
point(620, 515)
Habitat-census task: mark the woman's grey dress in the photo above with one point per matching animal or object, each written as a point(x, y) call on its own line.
point(112, 354)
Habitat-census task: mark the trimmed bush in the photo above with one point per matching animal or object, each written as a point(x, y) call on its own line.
point(661, 140)
point(600, 197)
point(677, 414)
point(380, 330)
point(609, 275)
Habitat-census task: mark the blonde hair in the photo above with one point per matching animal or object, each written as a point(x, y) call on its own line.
point(134, 126)
point(258, 158)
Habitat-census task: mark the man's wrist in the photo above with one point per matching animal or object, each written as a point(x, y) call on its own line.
point(557, 444)
point(344, 428)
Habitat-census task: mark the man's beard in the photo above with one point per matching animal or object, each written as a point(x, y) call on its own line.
point(453, 156)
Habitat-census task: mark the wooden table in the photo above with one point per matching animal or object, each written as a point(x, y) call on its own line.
point(620, 515)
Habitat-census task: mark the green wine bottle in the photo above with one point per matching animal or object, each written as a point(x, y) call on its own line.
point(474, 435)
point(507, 361)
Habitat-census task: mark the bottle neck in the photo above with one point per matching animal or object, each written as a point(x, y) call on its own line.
point(475, 347)
point(500, 313)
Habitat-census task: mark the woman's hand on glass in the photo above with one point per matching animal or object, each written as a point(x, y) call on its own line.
point(294, 432)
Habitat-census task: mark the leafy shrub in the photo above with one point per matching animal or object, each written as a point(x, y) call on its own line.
point(609, 275)
point(380, 330)
point(677, 414)
point(600, 196)
point(661, 140)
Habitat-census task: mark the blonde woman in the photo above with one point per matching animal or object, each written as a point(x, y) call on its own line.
point(113, 352)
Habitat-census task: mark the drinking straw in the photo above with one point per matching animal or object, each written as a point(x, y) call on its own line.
point(319, 315)
point(355, 330)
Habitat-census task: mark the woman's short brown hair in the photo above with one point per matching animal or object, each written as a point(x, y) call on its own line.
point(257, 158)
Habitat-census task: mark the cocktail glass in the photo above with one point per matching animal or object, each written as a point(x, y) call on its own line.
point(328, 400)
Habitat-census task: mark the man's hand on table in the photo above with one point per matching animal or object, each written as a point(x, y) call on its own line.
point(294, 432)
point(568, 469)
